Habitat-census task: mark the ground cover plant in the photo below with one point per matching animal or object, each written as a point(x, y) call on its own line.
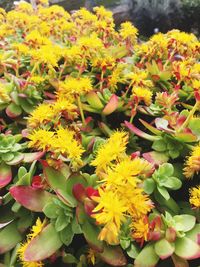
point(99, 141)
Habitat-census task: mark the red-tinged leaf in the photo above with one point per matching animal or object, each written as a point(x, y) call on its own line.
point(140, 133)
point(147, 257)
point(179, 262)
point(113, 256)
point(31, 198)
point(13, 110)
point(111, 106)
point(9, 237)
point(79, 192)
point(194, 234)
point(164, 249)
point(187, 249)
point(94, 101)
point(91, 233)
point(5, 174)
point(186, 137)
point(150, 127)
point(30, 157)
point(155, 158)
point(43, 245)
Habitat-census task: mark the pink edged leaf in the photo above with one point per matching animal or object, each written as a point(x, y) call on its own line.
point(46, 243)
point(111, 106)
point(164, 248)
point(13, 110)
point(187, 249)
point(94, 101)
point(5, 174)
point(147, 257)
point(186, 137)
point(9, 237)
point(113, 256)
point(156, 158)
point(31, 198)
point(179, 262)
point(194, 234)
point(140, 133)
point(79, 192)
point(30, 157)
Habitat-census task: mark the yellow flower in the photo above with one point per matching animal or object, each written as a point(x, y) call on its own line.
point(64, 105)
point(64, 142)
point(21, 48)
point(195, 196)
point(140, 228)
point(74, 86)
point(40, 139)
point(128, 31)
point(35, 39)
point(42, 114)
point(192, 164)
point(111, 150)
point(126, 172)
point(91, 256)
point(109, 211)
point(102, 13)
point(46, 54)
point(35, 230)
point(143, 94)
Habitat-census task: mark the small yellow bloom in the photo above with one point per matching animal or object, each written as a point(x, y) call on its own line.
point(128, 31)
point(143, 94)
point(195, 196)
point(192, 164)
point(140, 228)
point(40, 139)
point(42, 114)
point(91, 256)
point(111, 150)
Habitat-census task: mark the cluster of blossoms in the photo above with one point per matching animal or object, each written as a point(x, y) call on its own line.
point(99, 139)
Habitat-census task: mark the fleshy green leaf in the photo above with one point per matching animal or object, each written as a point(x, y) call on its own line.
point(186, 248)
point(164, 249)
point(147, 257)
point(149, 186)
point(9, 237)
point(46, 243)
point(184, 222)
point(113, 255)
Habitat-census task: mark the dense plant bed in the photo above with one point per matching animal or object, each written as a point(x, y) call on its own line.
point(99, 142)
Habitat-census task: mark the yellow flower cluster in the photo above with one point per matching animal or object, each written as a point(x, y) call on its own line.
point(195, 196)
point(120, 193)
point(63, 142)
point(192, 164)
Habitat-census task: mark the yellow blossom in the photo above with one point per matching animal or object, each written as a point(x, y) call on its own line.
point(65, 142)
point(111, 150)
point(143, 94)
point(74, 86)
point(192, 164)
point(91, 256)
point(140, 229)
point(128, 31)
point(42, 114)
point(40, 139)
point(195, 196)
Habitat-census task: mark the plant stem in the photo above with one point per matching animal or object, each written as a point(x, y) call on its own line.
point(81, 109)
point(192, 111)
